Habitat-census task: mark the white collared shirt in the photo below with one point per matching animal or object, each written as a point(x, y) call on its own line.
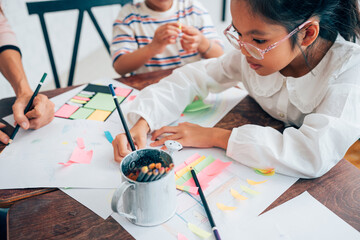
point(322, 109)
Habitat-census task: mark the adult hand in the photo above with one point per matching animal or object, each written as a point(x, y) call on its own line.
point(40, 114)
point(193, 40)
point(3, 137)
point(192, 135)
point(164, 35)
point(138, 133)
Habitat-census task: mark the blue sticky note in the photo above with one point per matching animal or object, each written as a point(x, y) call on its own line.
point(108, 136)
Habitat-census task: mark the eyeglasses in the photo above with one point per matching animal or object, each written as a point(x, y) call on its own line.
point(251, 49)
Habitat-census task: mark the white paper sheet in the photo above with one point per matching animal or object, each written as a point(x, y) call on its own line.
point(302, 217)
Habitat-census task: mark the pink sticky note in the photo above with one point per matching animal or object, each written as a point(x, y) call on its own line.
point(79, 156)
point(123, 92)
point(80, 143)
point(194, 190)
point(66, 111)
point(209, 173)
point(81, 98)
point(132, 97)
point(187, 162)
point(181, 237)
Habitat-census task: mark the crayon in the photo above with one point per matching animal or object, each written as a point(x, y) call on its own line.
point(142, 173)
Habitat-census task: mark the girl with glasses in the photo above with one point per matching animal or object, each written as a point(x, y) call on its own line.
point(296, 59)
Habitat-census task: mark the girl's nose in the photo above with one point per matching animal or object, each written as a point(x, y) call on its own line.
point(245, 52)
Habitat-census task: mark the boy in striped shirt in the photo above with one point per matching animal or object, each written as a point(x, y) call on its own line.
point(161, 34)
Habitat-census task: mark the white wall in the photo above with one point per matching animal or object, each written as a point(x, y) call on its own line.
point(92, 61)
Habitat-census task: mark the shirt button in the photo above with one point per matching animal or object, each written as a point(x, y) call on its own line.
point(281, 115)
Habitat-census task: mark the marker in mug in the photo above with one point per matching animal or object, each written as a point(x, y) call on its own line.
point(28, 106)
point(147, 176)
point(142, 174)
point(127, 132)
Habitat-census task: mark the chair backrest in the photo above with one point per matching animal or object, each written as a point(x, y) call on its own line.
point(42, 7)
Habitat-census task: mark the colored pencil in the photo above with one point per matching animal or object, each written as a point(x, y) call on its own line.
point(158, 165)
point(154, 175)
point(148, 176)
point(161, 173)
point(28, 106)
point(127, 132)
point(142, 174)
point(151, 166)
point(207, 209)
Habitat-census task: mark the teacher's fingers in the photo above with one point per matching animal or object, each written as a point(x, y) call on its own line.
point(3, 137)
point(18, 111)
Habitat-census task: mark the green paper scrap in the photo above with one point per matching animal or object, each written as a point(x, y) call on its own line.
point(84, 95)
point(82, 113)
point(198, 167)
point(197, 105)
point(248, 190)
point(103, 101)
point(198, 231)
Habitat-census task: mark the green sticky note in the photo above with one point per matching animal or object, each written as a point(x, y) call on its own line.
point(204, 163)
point(197, 105)
point(103, 101)
point(84, 95)
point(82, 113)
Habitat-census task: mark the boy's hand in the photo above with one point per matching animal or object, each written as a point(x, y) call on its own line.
point(164, 35)
point(193, 39)
point(138, 133)
point(41, 114)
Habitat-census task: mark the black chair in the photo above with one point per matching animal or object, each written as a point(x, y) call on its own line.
point(40, 8)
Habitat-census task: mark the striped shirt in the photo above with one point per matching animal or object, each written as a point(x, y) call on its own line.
point(136, 24)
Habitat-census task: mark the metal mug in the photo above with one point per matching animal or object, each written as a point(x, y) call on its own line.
point(146, 203)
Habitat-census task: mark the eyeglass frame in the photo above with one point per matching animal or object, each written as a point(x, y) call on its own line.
point(262, 52)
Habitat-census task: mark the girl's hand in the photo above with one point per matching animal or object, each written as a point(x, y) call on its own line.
point(40, 115)
point(192, 135)
point(192, 39)
point(138, 133)
point(164, 35)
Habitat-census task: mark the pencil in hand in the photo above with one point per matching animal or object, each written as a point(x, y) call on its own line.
point(127, 132)
point(28, 106)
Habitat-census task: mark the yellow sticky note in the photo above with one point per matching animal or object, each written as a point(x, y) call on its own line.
point(224, 207)
point(198, 231)
point(64, 143)
point(78, 101)
point(99, 115)
point(181, 172)
point(251, 182)
point(248, 190)
point(237, 195)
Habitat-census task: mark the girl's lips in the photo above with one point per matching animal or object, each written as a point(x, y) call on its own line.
point(254, 66)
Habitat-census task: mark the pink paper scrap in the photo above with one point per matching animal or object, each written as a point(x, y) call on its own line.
point(181, 237)
point(79, 156)
point(132, 97)
point(187, 162)
point(80, 143)
point(81, 98)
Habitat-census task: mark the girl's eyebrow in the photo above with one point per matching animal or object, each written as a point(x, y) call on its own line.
point(253, 31)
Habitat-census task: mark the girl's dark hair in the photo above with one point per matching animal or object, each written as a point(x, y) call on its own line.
point(336, 16)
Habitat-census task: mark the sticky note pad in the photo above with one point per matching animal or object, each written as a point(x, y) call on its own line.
point(82, 113)
point(77, 101)
point(123, 92)
point(99, 115)
point(66, 111)
point(77, 97)
point(103, 101)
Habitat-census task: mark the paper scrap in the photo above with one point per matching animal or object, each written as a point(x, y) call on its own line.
point(108, 136)
point(198, 231)
point(66, 111)
point(224, 207)
point(78, 101)
point(131, 98)
point(64, 143)
point(251, 182)
point(248, 190)
point(79, 156)
point(181, 237)
point(237, 195)
point(80, 143)
point(81, 98)
point(197, 105)
point(191, 159)
point(265, 172)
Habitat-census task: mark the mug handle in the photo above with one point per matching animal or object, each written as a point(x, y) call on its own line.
point(117, 197)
